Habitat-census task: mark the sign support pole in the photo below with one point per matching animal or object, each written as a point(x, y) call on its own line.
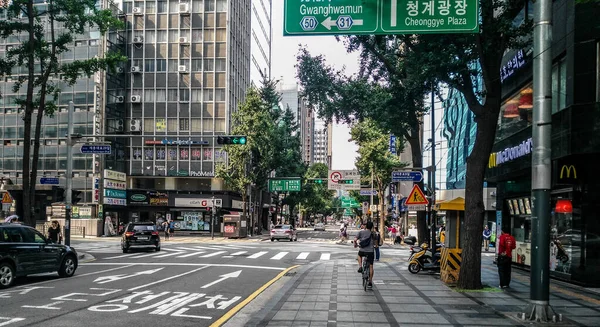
point(539, 308)
point(69, 177)
point(212, 219)
point(433, 164)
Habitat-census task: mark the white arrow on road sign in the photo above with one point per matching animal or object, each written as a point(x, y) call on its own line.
point(108, 279)
point(328, 23)
point(234, 274)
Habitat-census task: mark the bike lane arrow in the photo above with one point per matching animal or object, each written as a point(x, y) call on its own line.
point(108, 279)
point(234, 274)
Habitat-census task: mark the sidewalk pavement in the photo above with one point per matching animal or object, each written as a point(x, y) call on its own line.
point(331, 294)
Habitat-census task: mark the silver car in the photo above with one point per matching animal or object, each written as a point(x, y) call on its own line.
point(320, 226)
point(284, 232)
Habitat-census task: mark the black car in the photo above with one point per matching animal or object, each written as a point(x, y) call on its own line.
point(25, 251)
point(140, 234)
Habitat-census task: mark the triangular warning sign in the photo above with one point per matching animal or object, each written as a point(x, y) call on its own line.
point(416, 196)
point(6, 198)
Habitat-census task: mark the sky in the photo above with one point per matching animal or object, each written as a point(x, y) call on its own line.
point(284, 60)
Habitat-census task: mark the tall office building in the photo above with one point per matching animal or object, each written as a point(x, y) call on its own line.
point(262, 35)
point(87, 96)
point(308, 126)
point(321, 142)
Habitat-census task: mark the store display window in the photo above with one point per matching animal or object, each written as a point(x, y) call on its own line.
point(516, 113)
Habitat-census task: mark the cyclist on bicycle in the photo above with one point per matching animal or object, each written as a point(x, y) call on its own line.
point(365, 238)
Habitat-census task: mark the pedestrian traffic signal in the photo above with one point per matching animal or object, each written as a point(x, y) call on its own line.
point(232, 139)
point(76, 196)
point(345, 181)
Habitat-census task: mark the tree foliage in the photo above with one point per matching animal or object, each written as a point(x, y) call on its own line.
point(374, 158)
point(318, 199)
point(46, 32)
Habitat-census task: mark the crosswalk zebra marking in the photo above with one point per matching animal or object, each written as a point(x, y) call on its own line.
point(167, 254)
point(325, 256)
point(257, 255)
point(239, 253)
point(302, 256)
point(121, 256)
point(190, 254)
point(279, 255)
point(212, 254)
point(227, 256)
point(146, 255)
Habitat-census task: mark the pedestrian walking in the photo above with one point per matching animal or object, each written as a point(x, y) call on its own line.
point(393, 233)
point(487, 233)
point(165, 226)
point(506, 243)
point(377, 242)
point(172, 228)
point(54, 233)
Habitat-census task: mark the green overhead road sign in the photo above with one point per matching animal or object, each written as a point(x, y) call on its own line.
point(322, 17)
point(284, 185)
point(349, 202)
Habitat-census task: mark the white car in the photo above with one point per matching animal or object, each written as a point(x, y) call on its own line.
point(284, 232)
point(319, 226)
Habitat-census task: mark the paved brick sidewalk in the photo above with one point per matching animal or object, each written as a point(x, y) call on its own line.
point(331, 294)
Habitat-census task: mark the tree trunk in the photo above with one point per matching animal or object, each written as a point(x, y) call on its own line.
point(380, 197)
point(36, 146)
point(27, 194)
point(414, 140)
point(470, 271)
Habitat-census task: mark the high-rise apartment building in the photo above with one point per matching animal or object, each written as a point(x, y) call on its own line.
point(321, 142)
point(308, 126)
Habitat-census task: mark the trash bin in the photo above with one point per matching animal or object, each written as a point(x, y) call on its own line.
point(234, 226)
point(452, 251)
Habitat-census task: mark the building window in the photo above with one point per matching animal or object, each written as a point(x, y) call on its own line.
point(516, 113)
point(559, 86)
point(184, 124)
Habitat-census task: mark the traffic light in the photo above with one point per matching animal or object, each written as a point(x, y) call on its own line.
point(76, 196)
point(346, 181)
point(232, 139)
point(318, 181)
point(58, 194)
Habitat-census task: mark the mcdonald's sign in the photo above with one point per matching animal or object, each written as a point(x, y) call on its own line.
point(568, 169)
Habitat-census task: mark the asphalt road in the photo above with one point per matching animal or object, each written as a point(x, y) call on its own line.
point(185, 284)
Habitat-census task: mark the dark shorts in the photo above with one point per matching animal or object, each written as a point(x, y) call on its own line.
point(370, 256)
point(171, 230)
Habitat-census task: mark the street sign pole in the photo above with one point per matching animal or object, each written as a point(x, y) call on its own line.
point(212, 219)
point(69, 177)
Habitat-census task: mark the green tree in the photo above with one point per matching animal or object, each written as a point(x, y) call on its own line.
point(47, 30)
point(246, 163)
point(388, 92)
point(318, 199)
point(375, 159)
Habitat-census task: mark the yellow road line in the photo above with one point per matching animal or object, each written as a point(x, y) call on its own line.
point(252, 296)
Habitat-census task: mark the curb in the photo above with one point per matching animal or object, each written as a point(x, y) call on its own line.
point(85, 257)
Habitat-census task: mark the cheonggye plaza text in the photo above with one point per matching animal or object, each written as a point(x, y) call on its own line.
point(408, 21)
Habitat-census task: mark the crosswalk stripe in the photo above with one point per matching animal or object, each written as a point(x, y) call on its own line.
point(120, 256)
point(146, 255)
point(238, 253)
point(257, 255)
point(187, 249)
point(190, 254)
point(279, 255)
point(212, 254)
point(325, 256)
point(302, 256)
point(167, 254)
point(205, 248)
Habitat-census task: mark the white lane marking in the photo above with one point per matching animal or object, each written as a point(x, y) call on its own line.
point(120, 256)
point(9, 320)
point(212, 254)
point(224, 247)
point(187, 249)
point(227, 256)
point(146, 255)
point(239, 253)
point(168, 254)
point(168, 278)
point(302, 256)
point(257, 255)
point(190, 254)
point(325, 256)
point(129, 264)
point(234, 274)
point(279, 255)
point(126, 265)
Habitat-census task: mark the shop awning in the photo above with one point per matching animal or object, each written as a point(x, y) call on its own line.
point(454, 204)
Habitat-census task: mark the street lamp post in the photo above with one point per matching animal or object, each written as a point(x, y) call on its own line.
point(539, 308)
point(69, 177)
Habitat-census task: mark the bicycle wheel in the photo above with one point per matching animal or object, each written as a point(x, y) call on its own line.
point(365, 282)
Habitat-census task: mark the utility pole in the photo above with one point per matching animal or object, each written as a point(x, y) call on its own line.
point(539, 308)
point(432, 201)
point(69, 177)
point(212, 219)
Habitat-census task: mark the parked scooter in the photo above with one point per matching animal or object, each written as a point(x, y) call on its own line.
point(421, 258)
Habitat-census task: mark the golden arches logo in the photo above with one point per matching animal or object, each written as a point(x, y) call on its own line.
point(568, 169)
point(492, 162)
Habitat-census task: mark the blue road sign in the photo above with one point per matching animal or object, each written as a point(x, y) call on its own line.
point(368, 192)
point(407, 176)
point(49, 180)
point(96, 149)
point(393, 144)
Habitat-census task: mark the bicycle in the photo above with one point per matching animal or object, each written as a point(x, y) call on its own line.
point(365, 272)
